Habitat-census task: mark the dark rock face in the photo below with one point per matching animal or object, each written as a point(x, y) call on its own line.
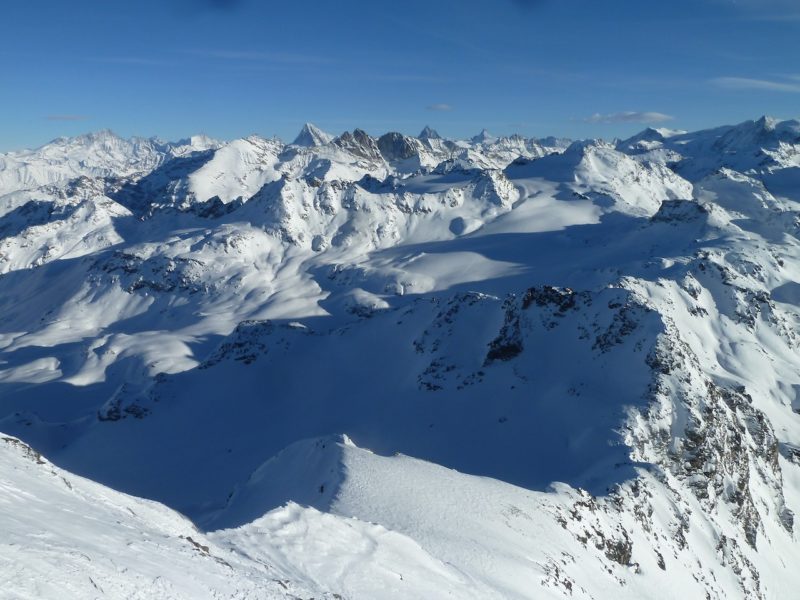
point(396, 146)
point(726, 455)
point(156, 274)
point(251, 340)
point(128, 401)
point(360, 144)
point(214, 208)
point(555, 302)
point(25, 449)
point(429, 134)
point(728, 441)
point(562, 299)
point(679, 211)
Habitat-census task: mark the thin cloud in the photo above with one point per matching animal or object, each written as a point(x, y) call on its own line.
point(131, 60)
point(259, 56)
point(67, 117)
point(746, 83)
point(629, 117)
point(401, 78)
point(441, 107)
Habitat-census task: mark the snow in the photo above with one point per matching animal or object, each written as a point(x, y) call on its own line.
point(64, 536)
point(98, 154)
point(238, 169)
point(396, 367)
point(311, 135)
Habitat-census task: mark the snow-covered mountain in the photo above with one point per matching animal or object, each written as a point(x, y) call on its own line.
point(98, 155)
point(402, 367)
point(311, 135)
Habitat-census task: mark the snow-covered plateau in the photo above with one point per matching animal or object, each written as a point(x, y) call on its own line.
point(363, 367)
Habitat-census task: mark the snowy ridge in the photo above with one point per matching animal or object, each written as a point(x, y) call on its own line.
point(101, 154)
point(64, 535)
point(590, 350)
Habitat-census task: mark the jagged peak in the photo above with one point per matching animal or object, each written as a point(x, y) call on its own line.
point(483, 137)
point(90, 137)
point(359, 143)
point(396, 146)
point(767, 123)
point(360, 134)
point(428, 133)
point(651, 134)
point(356, 134)
point(102, 134)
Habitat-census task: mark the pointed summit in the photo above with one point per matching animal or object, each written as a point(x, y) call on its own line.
point(483, 137)
point(359, 143)
point(311, 135)
point(767, 123)
point(429, 134)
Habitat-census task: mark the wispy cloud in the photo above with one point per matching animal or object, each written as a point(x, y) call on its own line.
point(790, 84)
point(260, 56)
point(67, 117)
point(131, 60)
point(406, 78)
point(440, 107)
point(629, 117)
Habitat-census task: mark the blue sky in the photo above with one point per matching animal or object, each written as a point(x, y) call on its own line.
point(229, 68)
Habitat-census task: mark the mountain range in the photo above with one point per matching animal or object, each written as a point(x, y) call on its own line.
point(402, 367)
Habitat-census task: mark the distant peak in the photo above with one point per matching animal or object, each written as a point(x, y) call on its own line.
point(92, 137)
point(195, 142)
point(202, 140)
point(767, 123)
point(483, 136)
point(98, 136)
point(396, 146)
point(311, 135)
point(429, 134)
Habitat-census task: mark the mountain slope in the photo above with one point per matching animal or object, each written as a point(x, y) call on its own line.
point(64, 535)
point(590, 352)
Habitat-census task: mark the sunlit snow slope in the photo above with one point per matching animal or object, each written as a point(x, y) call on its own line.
point(589, 349)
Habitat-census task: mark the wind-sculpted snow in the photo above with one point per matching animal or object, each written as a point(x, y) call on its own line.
point(590, 350)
